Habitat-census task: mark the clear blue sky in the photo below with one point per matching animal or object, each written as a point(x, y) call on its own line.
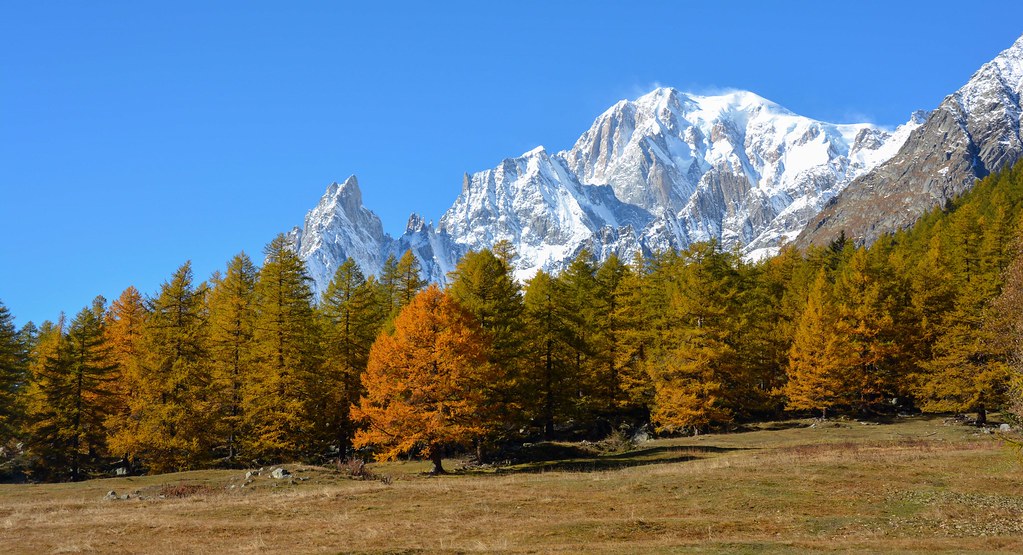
point(137, 135)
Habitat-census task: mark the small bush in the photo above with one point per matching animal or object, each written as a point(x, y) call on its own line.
point(617, 441)
point(356, 468)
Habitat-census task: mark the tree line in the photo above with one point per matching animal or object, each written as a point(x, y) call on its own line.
point(248, 367)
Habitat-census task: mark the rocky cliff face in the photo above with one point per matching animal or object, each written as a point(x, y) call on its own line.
point(975, 131)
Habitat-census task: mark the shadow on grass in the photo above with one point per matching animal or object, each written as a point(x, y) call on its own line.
point(547, 457)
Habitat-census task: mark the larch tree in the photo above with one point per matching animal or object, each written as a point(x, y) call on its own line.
point(409, 279)
point(764, 340)
point(68, 437)
point(169, 427)
point(696, 363)
point(965, 373)
point(868, 303)
point(1005, 325)
point(387, 287)
point(577, 294)
point(549, 354)
point(231, 314)
point(608, 339)
point(279, 424)
point(424, 381)
point(818, 368)
point(13, 376)
point(350, 320)
point(636, 314)
point(483, 284)
point(123, 328)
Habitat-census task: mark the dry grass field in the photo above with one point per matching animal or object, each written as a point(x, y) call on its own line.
point(916, 485)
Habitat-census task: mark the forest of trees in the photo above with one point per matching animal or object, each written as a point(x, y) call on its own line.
point(248, 368)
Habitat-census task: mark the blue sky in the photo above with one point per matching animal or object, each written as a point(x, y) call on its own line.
point(135, 135)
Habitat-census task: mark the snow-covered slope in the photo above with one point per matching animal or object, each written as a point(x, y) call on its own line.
point(664, 170)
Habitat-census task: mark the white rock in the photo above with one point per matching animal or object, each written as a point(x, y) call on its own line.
point(280, 473)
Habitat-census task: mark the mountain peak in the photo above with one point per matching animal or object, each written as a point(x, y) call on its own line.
point(415, 224)
point(538, 151)
point(347, 193)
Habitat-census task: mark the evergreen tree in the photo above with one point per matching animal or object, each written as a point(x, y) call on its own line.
point(280, 399)
point(68, 438)
point(13, 375)
point(351, 319)
point(230, 341)
point(169, 427)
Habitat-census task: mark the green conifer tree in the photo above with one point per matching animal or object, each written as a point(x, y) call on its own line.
point(277, 401)
point(483, 284)
point(409, 279)
point(549, 356)
point(351, 319)
point(13, 376)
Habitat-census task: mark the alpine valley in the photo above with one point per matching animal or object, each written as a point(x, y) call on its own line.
point(672, 168)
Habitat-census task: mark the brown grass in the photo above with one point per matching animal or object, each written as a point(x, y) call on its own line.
point(913, 486)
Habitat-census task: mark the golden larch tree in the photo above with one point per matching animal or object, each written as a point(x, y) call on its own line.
point(423, 384)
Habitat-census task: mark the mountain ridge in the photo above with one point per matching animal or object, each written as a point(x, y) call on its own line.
point(661, 171)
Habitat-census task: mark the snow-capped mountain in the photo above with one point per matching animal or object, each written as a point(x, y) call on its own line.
point(340, 227)
point(664, 170)
point(734, 167)
point(973, 132)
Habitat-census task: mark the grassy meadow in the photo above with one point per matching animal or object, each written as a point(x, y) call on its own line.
point(919, 485)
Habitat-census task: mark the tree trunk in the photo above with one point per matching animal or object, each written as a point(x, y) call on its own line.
point(981, 415)
point(435, 456)
point(480, 452)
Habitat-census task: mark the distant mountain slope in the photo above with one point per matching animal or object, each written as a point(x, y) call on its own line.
point(974, 132)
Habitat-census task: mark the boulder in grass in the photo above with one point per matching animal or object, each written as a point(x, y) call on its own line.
point(279, 474)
